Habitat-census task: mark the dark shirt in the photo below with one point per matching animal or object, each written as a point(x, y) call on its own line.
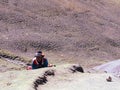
point(43, 63)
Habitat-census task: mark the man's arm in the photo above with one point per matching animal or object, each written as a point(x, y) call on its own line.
point(34, 64)
point(45, 64)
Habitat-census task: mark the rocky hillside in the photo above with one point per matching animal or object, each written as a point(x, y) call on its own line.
point(57, 78)
point(75, 31)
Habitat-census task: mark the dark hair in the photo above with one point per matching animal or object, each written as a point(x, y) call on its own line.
point(39, 52)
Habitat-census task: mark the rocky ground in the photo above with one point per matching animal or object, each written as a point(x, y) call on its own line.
point(57, 78)
point(80, 31)
point(86, 32)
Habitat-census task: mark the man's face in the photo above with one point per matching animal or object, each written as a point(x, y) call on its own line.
point(39, 58)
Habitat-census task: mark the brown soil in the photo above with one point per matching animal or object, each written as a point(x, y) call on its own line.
point(68, 31)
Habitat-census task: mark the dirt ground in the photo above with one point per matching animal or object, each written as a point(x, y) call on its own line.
point(86, 32)
point(57, 78)
point(67, 31)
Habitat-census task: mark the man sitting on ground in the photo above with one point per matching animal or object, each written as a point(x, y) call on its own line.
point(39, 61)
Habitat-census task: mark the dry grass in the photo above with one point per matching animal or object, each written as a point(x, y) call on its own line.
point(9, 55)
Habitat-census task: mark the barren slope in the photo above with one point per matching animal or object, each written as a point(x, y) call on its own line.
point(83, 31)
point(58, 78)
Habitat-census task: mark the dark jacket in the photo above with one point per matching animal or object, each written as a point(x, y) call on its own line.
point(36, 64)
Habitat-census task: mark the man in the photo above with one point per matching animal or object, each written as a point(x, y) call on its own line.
point(39, 61)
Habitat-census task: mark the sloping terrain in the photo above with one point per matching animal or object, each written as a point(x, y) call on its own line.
point(57, 78)
point(72, 31)
point(110, 67)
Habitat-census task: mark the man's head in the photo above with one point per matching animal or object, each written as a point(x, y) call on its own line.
point(39, 54)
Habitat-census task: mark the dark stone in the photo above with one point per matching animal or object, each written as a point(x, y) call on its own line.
point(76, 68)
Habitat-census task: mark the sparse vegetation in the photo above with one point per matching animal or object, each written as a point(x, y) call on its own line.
point(24, 45)
point(46, 45)
point(68, 29)
point(113, 43)
point(86, 32)
point(9, 55)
